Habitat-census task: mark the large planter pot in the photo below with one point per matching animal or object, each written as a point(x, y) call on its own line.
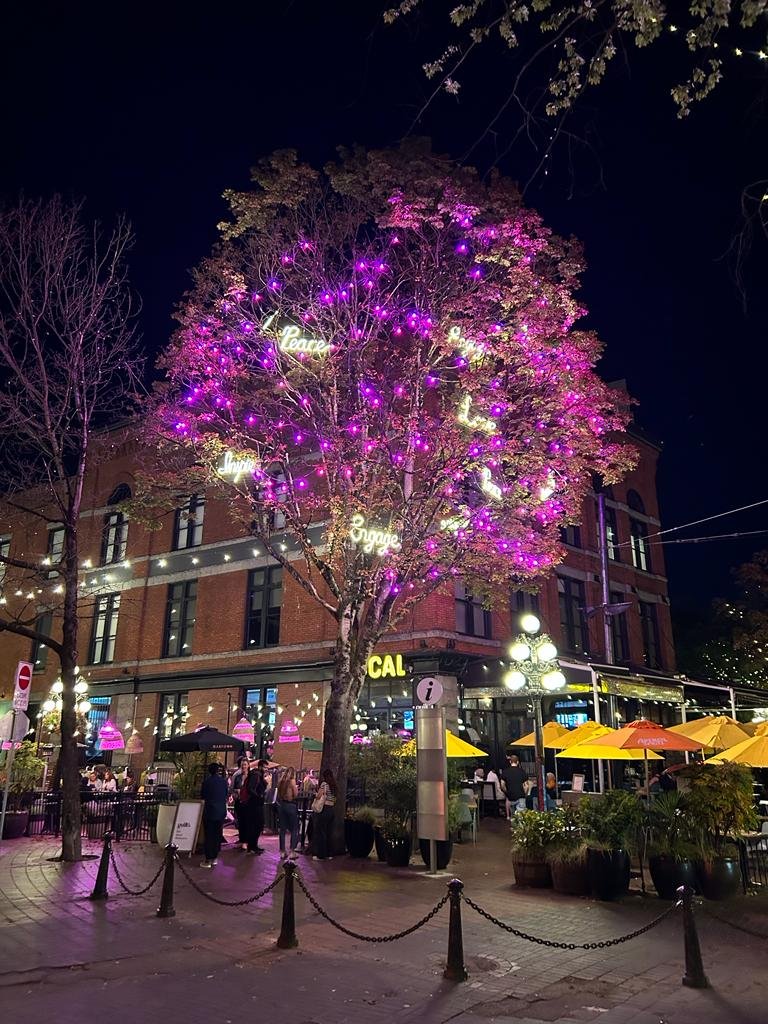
point(399, 851)
point(534, 874)
point(444, 851)
point(382, 845)
point(15, 824)
point(608, 873)
point(570, 877)
point(719, 878)
point(358, 836)
point(668, 874)
point(165, 815)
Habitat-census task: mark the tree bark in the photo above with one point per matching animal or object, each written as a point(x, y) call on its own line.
point(71, 842)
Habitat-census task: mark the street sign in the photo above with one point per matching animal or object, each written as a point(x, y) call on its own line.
point(14, 726)
point(22, 686)
point(429, 691)
point(46, 750)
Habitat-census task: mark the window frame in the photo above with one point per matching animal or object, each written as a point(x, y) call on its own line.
point(114, 538)
point(43, 624)
point(186, 622)
point(188, 520)
point(108, 617)
point(638, 544)
point(620, 630)
point(612, 542)
point(54, 551)
point(570, 535)
point(571, 594)
point(266, 609)
point(470, 606)
point(5, 552)
point(180, 701)
point(649, 630)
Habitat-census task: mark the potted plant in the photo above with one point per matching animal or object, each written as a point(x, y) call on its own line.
point(444, 846)
point(671, 851)
point(566, 854)
point(397, 835)
point(26, 773)
point(610, 823)
point(532, 832)
point(358, 831)
point(390, 785)
point(719, 801)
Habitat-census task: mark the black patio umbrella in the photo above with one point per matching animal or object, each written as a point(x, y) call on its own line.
point(206, 739)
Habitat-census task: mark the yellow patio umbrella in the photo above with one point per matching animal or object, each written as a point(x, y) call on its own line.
point(586, 732)
point(752, 751)
point(454, 747)
point(553, 734)
point(587, 751)
point(716, 731)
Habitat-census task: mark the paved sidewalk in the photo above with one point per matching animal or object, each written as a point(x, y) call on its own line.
point(66, 957)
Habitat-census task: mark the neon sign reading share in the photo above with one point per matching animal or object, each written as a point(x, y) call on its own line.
point(372, 540)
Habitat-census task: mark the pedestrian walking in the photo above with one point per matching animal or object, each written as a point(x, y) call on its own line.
point(322, 815)
point(287, 811)
point(239, 798)
point(214, 794)
point(513, 781)
point(257, 787)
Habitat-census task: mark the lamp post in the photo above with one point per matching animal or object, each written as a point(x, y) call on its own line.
point(535, 671)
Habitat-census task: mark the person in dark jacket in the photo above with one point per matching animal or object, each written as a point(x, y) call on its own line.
point(214, 794)
point(239, 798)
point(257, 787)
point(513, 780)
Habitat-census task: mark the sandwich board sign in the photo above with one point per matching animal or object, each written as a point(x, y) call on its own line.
point(186, 825)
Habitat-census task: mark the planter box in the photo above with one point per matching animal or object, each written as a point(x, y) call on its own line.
point(444, 852)
point(15, 824)
point(719, 878)
point(534, 874)
point(570, 877)
point(608, 873)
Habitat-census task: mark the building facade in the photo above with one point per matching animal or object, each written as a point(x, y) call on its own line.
point(190, 622)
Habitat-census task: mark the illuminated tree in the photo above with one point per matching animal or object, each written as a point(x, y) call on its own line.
point(387, 348)
point(68, 364)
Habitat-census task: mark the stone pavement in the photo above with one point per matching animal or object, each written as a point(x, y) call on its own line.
point(65, 957)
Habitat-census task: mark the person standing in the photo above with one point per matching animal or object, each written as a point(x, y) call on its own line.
point(239, 800)
point(257, 787)
point(550, 792)
point(287, 811)
point(513, 780)
point(214, 794)
point(322, 815)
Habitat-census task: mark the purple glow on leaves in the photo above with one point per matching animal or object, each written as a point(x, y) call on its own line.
point(462, 248)
point(274, 284)
point(476, 273)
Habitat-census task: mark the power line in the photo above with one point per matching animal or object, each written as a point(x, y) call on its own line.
point(695, 522)
point(714, 536)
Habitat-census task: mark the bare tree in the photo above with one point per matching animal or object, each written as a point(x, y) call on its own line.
point(69, 364)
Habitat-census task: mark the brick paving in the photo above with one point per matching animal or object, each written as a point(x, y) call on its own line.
point(62, 955)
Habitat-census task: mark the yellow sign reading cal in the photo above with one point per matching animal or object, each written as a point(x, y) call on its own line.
point(386, 666)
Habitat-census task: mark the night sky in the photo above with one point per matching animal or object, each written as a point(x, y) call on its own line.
point(155, 109)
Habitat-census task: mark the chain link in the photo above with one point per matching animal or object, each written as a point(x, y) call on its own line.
point(369, 938)
point(602, 944)
point(133, 892)
point(228, 903)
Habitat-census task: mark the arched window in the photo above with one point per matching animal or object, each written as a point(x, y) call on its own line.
point(638, 533)
point(114, 538)
point(635, 502)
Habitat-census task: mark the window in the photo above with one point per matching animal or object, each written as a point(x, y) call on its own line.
point(180, 619)
point(97, 716)
point(649, 626)
point(612, 535)
point(472, 618)
point(573, 621)
point(635, 502)
point(104, 630)
point(5, 551)
point(121, 493)
point(571, 535)
point(265, 598)
point(260, 707)
point(55, 548)
point(188, 524)
point(174, 709)
point(39, 656)
point(114, 538)
point(638, 543)
point(521, 602)
point(619, 630)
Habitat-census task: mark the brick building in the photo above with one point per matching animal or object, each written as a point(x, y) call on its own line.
point(192, 623)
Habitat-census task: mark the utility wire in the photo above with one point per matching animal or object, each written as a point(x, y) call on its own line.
point(701, 540)
point(695, 522)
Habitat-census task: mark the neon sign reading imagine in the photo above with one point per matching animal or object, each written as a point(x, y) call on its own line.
point(372, 540)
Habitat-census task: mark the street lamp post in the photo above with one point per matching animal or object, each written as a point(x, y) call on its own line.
point(535, 672)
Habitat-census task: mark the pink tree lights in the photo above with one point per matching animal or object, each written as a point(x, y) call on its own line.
point(388, 348)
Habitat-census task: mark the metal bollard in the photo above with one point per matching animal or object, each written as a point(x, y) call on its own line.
point(287, 938)
point(166, 896)
point(102, 876)
point(454, 968)
point(694, 976)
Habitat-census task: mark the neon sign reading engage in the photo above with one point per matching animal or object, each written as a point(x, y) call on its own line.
point(372, 540)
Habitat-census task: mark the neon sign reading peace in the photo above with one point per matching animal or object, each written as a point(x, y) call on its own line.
point(292, 341)
point(372, 540)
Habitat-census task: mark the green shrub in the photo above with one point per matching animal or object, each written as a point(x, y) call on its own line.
point(612, 820)
point(532, 833)
point(719, 805)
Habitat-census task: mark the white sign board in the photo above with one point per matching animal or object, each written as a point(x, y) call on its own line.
point(22, 685)
point(20, 727)
point(429, 691)
point(186, 825)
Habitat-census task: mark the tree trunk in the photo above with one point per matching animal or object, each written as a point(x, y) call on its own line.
point(71, 843)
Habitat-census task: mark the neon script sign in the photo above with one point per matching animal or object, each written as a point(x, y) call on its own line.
point(235, 467)
point(469, 349)
point(476, 422)
point(488, 486)
point(372, 540)
point(292, 341)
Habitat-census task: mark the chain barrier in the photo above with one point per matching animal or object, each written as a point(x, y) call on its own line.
point(732, 924)
point(127, 889)
point(602, 944)
point(228, 903)
point(370, 938)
